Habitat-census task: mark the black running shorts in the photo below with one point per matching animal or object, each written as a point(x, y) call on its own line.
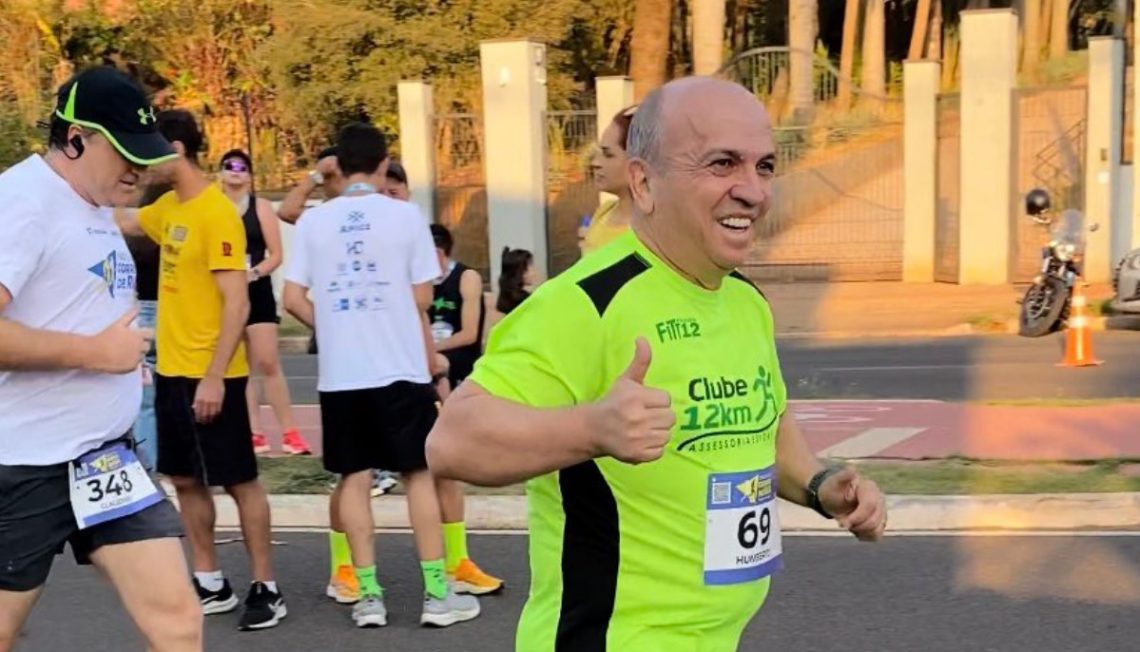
point(36, 521)
point(378, 428)
point(219, 453)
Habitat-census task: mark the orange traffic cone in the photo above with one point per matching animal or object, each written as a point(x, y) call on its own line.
point(1078, 336)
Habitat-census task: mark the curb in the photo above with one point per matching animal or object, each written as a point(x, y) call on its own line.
point(1001, 512)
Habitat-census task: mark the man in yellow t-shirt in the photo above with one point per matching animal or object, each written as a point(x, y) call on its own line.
point(204, 437)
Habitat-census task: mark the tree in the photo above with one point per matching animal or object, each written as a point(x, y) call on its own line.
point(847, 53)
point(649, 49)
point(874, 82)
point(803, 27)
point(708, 36)
point(921, 23)
point(1059, 32)
point(1030, 37)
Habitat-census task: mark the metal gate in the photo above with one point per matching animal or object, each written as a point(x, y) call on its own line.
point(1050, 154)
point(570, 192)
point(946, 234)
point(837, 213)
point(461, 189)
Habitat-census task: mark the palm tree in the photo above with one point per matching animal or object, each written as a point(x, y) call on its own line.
point(847, 53)
point(708, 36)
point(874, 82)
point(803, 16)
point(649, 45)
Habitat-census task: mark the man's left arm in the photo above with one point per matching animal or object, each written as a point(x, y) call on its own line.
point(225, 256)
point(471, 289)
point(854, 501)
point(423, 293)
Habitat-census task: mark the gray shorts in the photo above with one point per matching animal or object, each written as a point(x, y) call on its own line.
point(36, 521)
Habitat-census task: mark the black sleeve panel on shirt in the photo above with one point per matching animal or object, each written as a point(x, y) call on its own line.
point(602, 286)
point(741, 277)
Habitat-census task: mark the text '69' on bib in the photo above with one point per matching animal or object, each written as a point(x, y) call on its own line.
point(742, 532)
point(108, 484)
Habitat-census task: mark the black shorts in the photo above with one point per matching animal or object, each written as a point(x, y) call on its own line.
point(378, 428)
point(262, 304)
point(219, 453)
point(36, 521)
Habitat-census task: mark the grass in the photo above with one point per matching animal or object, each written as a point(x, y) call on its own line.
point(988, 323)
point(290, 327)
point(304, 475)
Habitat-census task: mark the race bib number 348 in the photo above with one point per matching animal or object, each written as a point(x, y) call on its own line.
point(108, 484)
point(742, 533)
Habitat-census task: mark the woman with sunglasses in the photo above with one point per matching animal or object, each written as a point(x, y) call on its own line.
point(263, 255)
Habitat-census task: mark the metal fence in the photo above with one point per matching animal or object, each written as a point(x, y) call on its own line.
point(570, 192)
point(946, 233)
point(461, 189)
point(838, 205)
point(1050, 154)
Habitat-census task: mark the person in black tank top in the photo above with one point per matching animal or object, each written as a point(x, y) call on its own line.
point(457, 311)
point(263, 255)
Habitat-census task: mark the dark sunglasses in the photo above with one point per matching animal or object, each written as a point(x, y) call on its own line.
point(235, 165)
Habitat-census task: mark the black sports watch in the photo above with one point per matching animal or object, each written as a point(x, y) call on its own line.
point(813, 489)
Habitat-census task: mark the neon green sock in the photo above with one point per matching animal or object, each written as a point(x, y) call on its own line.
point(339, 552)
point(368, 583)
point(435, 582)
point(455, 542)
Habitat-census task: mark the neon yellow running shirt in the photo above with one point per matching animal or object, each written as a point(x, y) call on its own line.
point(673, 555)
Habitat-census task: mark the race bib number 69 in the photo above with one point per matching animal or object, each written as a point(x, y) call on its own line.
point(742, 533)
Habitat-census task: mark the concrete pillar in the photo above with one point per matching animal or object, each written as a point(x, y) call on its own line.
point(514, 106)
point(1105, 120)
point(612, 94)
point(921, 82)
point(988, 62)
point(417, 142)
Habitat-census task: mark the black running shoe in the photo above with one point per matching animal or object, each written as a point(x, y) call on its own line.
point(216, 602)
point(263, 608)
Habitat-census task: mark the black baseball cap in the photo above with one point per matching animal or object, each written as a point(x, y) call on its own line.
point(106, 100)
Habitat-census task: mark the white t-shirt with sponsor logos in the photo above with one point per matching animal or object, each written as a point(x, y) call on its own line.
point(359, 256)
point(68, 269)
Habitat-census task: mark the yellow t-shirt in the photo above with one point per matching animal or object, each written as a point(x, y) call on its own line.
point(197, 238)
point(601, 230)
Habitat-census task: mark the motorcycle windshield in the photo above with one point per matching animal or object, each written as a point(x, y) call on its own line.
point(1069, 229)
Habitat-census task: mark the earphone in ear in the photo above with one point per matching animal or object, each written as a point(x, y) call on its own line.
point(77, 143)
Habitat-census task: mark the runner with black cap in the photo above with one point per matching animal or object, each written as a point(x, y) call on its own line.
point(70, 384)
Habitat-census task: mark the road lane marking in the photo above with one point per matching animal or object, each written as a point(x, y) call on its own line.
point(869, 442)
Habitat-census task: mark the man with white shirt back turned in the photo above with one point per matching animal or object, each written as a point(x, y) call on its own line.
point(369, 261)
point(70, 385)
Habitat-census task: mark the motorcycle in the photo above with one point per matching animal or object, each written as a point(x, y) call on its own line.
point(1045, 306)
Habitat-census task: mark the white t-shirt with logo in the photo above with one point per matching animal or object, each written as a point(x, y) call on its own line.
point(360, 256)
point(68, 269)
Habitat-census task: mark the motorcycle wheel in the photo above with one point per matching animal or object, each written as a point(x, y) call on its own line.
point(1043, 307)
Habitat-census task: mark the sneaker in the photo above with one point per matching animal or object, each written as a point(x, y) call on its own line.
point(260, 444)
point(294, 444)
point(382, 482)
point(263, 608)
point(216, 602)
point(344, 587)
point(469, 578)
point(370, 612)
point(453, 608)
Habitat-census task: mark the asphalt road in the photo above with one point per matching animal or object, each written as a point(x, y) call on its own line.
point(949, 369)
point(906, 594)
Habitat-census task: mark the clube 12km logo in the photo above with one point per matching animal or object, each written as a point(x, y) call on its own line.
point(728, 412)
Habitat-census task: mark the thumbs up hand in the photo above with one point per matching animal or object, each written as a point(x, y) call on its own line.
point(856, 503)
point(633, 422)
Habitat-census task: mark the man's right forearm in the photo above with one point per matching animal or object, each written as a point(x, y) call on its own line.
point(294, 203)
point(489, 441)
point(30, 349)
